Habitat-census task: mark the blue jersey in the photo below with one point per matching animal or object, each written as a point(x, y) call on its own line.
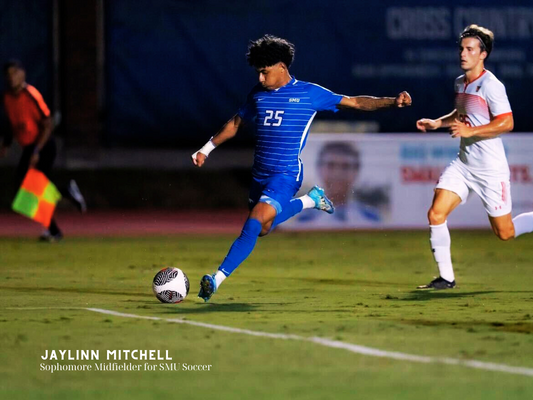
point(282, 118)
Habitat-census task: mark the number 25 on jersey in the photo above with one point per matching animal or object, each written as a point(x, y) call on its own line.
point(273, 118)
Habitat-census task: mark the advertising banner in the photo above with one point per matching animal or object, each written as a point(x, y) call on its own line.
point(387, 180)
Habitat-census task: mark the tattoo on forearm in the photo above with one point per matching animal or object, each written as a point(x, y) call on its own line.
point(373, 103)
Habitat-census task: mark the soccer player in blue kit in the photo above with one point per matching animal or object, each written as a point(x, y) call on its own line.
point(282, 109)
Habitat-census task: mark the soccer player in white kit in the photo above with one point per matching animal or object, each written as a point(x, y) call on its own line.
point(482, 113)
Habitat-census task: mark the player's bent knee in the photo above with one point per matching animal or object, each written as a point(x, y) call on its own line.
point(436, 218)
point(505, 235)
point(265, 229)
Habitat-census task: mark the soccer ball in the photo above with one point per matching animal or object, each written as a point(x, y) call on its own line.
point(171, 285)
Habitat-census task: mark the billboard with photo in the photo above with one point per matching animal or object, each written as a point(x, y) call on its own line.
point(387, 180)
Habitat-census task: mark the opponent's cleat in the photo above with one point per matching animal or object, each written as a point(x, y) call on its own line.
point(208, 287)
point(438, 284)
point(321, 200)
point(46, 236)
point(77, 197)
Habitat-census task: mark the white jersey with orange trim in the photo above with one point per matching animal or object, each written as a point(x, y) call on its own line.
point(478, 103)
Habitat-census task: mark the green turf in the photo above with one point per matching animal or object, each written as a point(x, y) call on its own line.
point(351, 287)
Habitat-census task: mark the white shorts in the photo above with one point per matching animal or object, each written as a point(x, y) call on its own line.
point(495, 192)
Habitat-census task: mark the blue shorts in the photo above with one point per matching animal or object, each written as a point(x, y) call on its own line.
point(276, 190)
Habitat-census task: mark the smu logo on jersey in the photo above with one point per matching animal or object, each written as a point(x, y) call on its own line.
point(294, 100)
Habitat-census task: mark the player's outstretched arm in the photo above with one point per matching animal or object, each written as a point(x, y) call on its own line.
point(426, 124)
point(371, 103)
point(228, 131)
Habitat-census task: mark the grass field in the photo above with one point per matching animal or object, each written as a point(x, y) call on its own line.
point(353, 288)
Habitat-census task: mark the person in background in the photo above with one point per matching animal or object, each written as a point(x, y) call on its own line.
point(30, 123)
point(338, 166)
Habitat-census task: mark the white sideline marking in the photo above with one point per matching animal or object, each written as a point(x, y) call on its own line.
point(354, 348)
point(44, 308)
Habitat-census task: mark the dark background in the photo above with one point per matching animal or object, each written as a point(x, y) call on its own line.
point(166, 74)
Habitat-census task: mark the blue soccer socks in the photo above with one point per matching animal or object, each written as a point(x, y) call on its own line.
point(242, 246)
point(294, 207)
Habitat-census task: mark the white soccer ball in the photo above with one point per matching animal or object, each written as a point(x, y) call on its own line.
point(171, 285)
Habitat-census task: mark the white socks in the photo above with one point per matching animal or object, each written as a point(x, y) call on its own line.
point(219, 278)
point(307, 201)
point(439, 236)
point(523, 223)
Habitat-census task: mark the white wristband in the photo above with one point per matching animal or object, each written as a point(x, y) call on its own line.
point(207, 148)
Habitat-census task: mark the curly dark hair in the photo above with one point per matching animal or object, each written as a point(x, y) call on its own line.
point(484, 35)
point(269, 50)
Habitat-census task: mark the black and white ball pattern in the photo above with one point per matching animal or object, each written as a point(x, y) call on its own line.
point(165, 276)
point(171, 285)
